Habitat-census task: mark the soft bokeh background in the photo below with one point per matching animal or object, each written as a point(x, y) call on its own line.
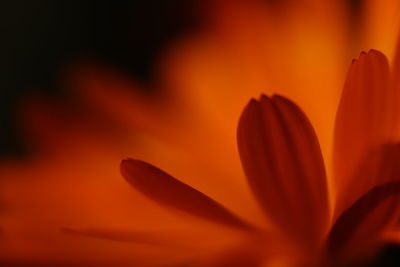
point(43, 40)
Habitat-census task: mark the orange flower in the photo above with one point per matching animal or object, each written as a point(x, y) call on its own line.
point(284, 167)
point(300, 51)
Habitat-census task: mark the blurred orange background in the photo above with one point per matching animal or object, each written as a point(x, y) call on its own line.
point(182, 118)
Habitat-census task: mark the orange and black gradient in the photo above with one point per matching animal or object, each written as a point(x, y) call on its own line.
point(254, 149)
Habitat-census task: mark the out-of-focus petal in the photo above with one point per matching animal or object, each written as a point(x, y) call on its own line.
point(118, 97)
point(364, 121)
point(179, 239)
point(284, 166)
point(396, 84)
point(358, 227)
point(168, 191)
point(396, 64)
point(120, 235)
point(378, 167)
point(74, 263)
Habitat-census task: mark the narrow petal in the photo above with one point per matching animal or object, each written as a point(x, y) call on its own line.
point(168, 191)
point(282, 160)
point(118, 235)
point(73, 263)
point(365, 120)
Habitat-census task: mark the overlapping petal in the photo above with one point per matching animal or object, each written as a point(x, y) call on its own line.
point(358, 227)
point(365, 120)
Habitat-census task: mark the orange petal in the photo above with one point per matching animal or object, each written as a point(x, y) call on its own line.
point(112, 95)
point(73, 263)
point(168, 191)
point(284, 166)
point(396, 64)
point(364, 121)
point(378, 167)
point(118, 235)
point(396, 87)
point(353, 230)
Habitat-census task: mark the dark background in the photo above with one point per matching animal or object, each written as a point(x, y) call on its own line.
point(41, 37)
point(38, 38)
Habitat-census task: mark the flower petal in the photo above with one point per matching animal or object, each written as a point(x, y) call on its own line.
point(354, 225)
point(396, 65)
point(379, 166)
point(113, 95)
point(168, 191)
point(118, 235)
point(365, 120)
point(396, 87)
point(282, 160)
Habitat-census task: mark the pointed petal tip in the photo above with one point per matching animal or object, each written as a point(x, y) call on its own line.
point(264, 97)
point(355, 60)
point(267, 98)
point(378, 55)
point(281, 98)
point(252, 101)
point(132, 169)
point(130, 163)
point(375, 52)
point(273, 97)
point(370, 53)
point(126, 163)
